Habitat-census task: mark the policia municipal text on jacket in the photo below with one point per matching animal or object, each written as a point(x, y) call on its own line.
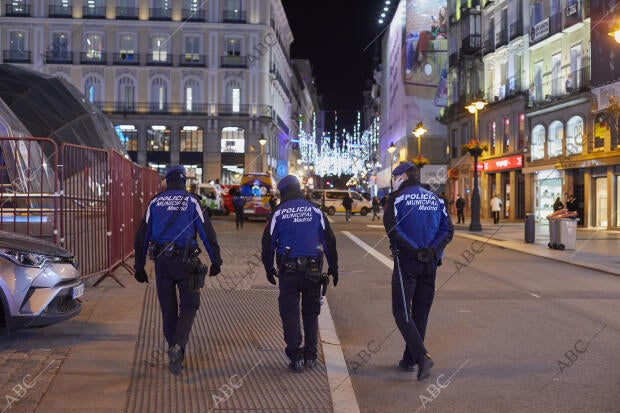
point(168, 231)
point(419, 228)
point(298, 233)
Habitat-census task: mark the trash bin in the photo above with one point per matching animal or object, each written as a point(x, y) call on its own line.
point(567, 233)
point(554, 233)
point(530, 228)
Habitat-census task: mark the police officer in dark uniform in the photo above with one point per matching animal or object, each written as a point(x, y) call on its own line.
point(168, 230)
point(298, 233)
point(419, 228)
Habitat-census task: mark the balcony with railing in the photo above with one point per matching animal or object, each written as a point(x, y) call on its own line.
point(17, 56)
point(18, 9)
point(489, 43)
point(127, 59)
point(554, 86)
point(515, 29)
point(240, 62)
point(501, 38)
point(471, 44)
point(93, 12)
point(204, 109)
point(192, 59)
point(278, 77)
point(127, 13)
point(160, 14)
point(508, 88)
point(58, 57)
point(55, 10)
point(233, 16)
point(93, 58)
point(193, 15)
point(159, 58)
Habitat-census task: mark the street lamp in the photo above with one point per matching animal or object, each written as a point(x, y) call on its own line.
point(418, 132)
point(475, 151)
point(262, 142)
point(391, 150)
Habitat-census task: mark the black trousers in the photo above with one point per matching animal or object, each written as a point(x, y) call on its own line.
point(495, 217)
point(177, 316)
point(419, 287)
point(239, 218)
point(294, 285)
point(460, 215)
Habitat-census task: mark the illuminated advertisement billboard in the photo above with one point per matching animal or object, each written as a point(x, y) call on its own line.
point(605, 18)
point(425, 50)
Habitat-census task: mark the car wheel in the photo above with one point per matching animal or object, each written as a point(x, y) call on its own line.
point(364, 211)
point(331, 211)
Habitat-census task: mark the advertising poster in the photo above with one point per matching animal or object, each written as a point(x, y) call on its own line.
point(605, 19)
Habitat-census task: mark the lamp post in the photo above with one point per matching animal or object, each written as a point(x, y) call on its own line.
point(262, 142)
point(475, 151)
point(418, 132)
point(391, 150)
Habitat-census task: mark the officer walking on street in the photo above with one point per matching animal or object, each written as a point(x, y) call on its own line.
point(168, 231)
point(419, 228)
point(299, 234)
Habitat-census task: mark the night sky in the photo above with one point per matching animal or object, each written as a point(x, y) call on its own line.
point(332, 35)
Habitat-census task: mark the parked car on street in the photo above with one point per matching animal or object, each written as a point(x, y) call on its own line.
point(333, 201)
point(39, 282)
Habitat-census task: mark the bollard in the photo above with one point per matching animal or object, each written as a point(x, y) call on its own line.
point(530, 228)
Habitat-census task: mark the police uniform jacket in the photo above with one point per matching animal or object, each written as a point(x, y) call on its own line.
point(186, 223)
point(301, 226)
point(417, 218)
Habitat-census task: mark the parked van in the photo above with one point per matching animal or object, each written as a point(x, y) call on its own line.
point(333, 201)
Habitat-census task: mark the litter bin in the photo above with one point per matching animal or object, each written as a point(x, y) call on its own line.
point(554, 233)
point(567, 233)
point(530, 228)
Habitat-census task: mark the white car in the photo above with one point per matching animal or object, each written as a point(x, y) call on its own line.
point(333, 201)
point(39, 282)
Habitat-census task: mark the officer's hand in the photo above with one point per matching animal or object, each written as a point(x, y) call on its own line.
point(426, 255)
point(272, 274)
point(334, 273)
point(215, 270)
point(141, 276)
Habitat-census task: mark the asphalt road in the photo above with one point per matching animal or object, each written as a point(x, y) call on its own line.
point(508, 331)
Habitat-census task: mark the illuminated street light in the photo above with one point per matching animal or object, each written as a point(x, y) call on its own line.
point(475, 225)
point(262, 142)
point(391, 149)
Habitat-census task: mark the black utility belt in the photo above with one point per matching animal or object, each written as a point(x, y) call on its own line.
point(303, 264)
point(170, 250)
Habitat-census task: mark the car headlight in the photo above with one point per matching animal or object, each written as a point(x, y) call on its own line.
point(26, 259)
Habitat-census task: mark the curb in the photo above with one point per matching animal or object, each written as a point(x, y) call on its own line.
point(340, 386)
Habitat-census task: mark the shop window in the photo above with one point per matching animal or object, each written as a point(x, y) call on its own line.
point(556, 132)
point(538, 142)
point(601, 134)
point(492, 137)
point(158, 138)
point(128, 134)
point(574, 135)
point(506, 135)
point(233, 140)
point(191, 139)
point(522, 143)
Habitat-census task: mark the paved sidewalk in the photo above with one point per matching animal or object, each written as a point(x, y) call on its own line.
point(595, 249)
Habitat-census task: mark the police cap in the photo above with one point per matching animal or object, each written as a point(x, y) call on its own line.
point(402, 168)
point(287, 181)
point(175, 173)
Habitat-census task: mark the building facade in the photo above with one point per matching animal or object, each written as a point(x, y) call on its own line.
point(183, 81)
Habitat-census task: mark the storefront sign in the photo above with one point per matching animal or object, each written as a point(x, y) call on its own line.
point(539, 30)
point(502, 164)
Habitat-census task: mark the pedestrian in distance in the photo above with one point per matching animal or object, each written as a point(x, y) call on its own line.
point(238, 202)
point(347, 203)
point(460, 208)
point(298, 234)
point(419, 228)
point(376, 206)
point(572, 205)
point(384, 200)
point(558, 205)
point(273, 202)
point(168, 232)
point(496, 207)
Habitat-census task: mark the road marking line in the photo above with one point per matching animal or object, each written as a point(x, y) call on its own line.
point(464, 311)
point(388, 262)
point(534, 295)
point(375, 226)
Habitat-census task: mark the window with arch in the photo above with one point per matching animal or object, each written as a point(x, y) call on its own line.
point(93, 89)
point(191, 138)
point(233, 139)
point(126, 93)
point(233, 97)
point(556, 135)
point(191, 95)
point(574, 135)
point(537, 147)
point(158, 138)
point(159, 94)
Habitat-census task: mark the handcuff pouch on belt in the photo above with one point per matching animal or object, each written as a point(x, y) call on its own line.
point(196, 270)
